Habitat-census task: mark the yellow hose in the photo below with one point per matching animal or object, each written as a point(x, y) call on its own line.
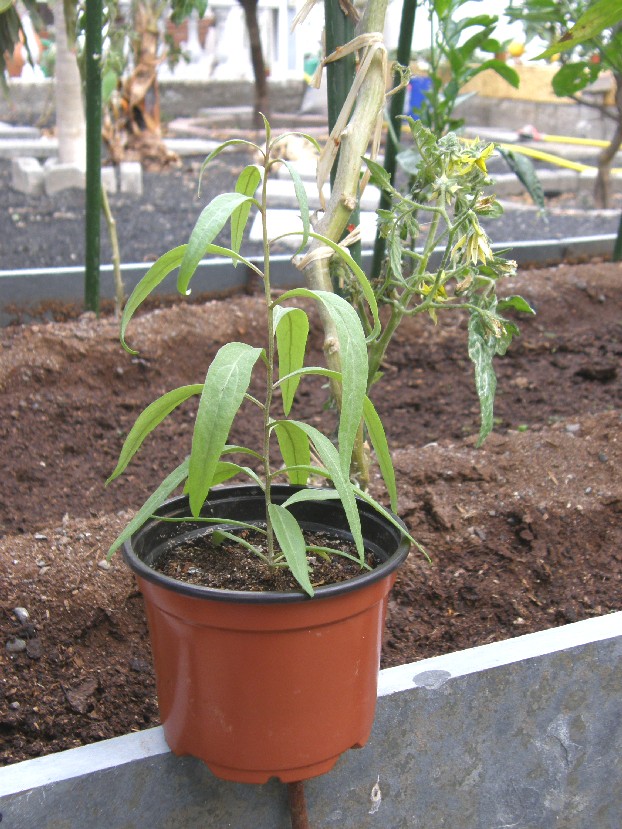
point(555, 159)
point(568, 139)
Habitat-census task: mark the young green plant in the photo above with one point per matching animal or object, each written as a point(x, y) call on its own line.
point(439, 257)
point(226, 386)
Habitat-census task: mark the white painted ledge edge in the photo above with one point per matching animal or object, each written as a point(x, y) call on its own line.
point(73, 763)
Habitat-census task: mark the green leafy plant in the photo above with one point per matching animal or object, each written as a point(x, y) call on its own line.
point(587, 39)
point(460, 49)
point(227, 382)
point(455, 267)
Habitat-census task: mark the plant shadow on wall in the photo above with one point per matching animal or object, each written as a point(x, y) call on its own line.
point(334, 543)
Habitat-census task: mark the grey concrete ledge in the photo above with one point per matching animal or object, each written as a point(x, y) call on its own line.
point(521, 734)
point(21, 291)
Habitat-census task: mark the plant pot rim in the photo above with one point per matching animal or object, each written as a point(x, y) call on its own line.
point(279, 492)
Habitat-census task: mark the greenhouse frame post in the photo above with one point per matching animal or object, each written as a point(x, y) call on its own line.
point(93, 42)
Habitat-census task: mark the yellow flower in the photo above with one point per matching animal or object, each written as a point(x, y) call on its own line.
point(440, 295)
point(474, 244)
point(463, 163)
point(484, 156)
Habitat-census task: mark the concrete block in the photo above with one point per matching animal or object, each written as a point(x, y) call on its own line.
point(131, 176)
point(59, 177)
point(289, 221)
point(282, 190)
point(43, 147)
point(14, 132)
point(27, 176)
point(109, 179)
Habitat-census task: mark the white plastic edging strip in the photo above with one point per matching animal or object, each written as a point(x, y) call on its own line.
point(531, 247)
point(75, 762)
point(484, 657)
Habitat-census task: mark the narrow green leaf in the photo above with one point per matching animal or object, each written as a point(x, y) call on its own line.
point(379, 176)
point(225, 470)
point(232, 449)
point(303, 201)
point(375, 429)
point(313, 141)
point(208, 226)
point(292, 329)
point(481, 351)
point(147, 421)
point(365, 496)
point(218, 536)
point(292, 543)
point(330, 458)
point(353, 353)
point(526, 173)
point(156, 273)
point(226, 383)
point(316, 471)
point(311, 495)
point(166, 488)
point(379, 441)
point(247, 183)
point(294, 446)
point(217, 250)
point(231, 143)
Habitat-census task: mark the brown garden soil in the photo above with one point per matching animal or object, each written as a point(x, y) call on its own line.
point(523, 533)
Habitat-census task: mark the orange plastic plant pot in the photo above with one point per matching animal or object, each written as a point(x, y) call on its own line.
point(261, 685)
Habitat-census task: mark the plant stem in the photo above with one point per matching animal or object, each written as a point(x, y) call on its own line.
point(270, 357)
point(344, 196)
point(378, 348)
point(111, 223)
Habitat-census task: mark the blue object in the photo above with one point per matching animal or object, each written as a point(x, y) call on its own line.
point(417, 88)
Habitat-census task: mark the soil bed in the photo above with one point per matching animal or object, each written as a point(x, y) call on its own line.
point(523, 533)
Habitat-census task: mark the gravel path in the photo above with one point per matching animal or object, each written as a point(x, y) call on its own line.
point(41, 232)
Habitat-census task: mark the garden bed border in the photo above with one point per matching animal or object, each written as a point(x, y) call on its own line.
point(24, 292)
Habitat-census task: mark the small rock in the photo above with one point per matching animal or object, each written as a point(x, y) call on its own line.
point(573, 428)
point(40, 537)
point(104, 565)
point(16, 645)
point(14, 706)
point(602, 457)
point(21, 614)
